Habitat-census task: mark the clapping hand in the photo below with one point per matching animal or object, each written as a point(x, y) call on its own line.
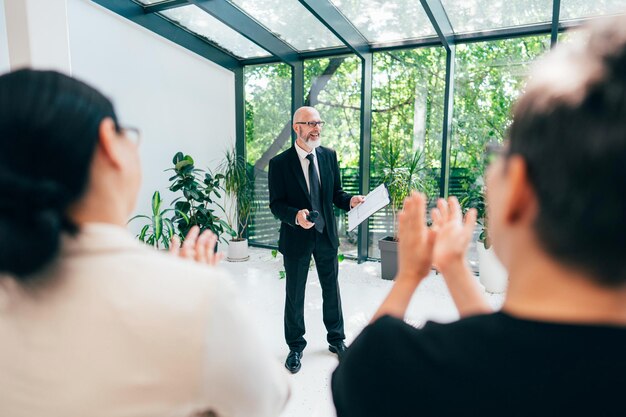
point(415, 239)
point(454, 233)
point(198, 247)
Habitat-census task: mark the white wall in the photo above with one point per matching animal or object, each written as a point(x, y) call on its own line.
point(37, 34)
point(4, 45)
point(180, 101)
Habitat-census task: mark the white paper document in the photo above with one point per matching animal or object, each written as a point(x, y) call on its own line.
point(374, 201)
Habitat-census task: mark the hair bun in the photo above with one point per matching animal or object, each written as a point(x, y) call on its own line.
point(26, 196)
point(29, 243)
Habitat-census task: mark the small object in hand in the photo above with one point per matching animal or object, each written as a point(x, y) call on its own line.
point(313, 214)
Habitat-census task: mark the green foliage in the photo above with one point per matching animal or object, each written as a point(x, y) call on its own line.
point(198, 203)
point(474, 197)
point(489, 78)
point(339, 105)
point(159, 230)
point(268, 106)
point(403, 173)
point(407, 104)
point(239, 186)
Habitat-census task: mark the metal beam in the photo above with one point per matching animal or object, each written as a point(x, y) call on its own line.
point(406, 44)
point(446, 139)
point(302, 56)
point(159, 7)
point(233, 17)
point(240, 121)
point(367, 64)
point(240, 113)
point(439, 19)
point(170, 31)
point(297, 91)
point(338, 24)
point(482, 36)
point(556, 11)
point(506, 33)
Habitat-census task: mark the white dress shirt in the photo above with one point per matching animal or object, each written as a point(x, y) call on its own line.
point(304, 163)
point(302, 154)
point(119, 329)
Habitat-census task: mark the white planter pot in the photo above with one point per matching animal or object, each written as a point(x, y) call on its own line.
point(492, 274)
point(238, 251)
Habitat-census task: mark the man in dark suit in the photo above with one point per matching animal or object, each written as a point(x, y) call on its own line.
point(304, 183)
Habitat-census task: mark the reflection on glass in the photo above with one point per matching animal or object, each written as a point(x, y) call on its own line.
point(292, 22)
point(268, 132)
point(489, 78)
point(479, 15)
point(577, 9)
point(387, 20)
point(205, 25)
point(333, 87)
point(407, 116)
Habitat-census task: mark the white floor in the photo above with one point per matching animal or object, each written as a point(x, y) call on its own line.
point(362, 291)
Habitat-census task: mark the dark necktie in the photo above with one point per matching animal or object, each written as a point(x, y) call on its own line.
point(316, 198)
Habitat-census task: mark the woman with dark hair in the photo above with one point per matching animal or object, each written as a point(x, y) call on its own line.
point(91, 321)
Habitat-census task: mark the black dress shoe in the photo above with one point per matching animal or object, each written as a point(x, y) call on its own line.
point(293, 361)
point(339, 348)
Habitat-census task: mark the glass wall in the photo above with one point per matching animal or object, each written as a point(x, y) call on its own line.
point(488, 79)
point(333, 87)
point(268, 132)
point(407, 121)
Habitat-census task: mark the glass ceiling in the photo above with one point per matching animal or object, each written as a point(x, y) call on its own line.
point(480, 15)
point(379, 21)
point(387, 20)
point(577, 9)
point(205, 25)
point(291, 22)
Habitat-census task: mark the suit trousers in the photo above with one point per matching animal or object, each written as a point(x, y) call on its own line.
point(297, 269)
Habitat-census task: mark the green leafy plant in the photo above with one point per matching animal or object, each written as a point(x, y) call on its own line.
point(475, 198)
point(401, 174)
point(198, 204)
point(239, 186)
point(159, 230)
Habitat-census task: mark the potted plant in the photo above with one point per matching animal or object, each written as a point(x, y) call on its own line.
point(159, 230)
point(198, 204)
point(491, 274)
point(401, 174)
point(239, 187)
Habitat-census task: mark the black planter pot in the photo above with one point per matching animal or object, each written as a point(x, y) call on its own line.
point(388, 257)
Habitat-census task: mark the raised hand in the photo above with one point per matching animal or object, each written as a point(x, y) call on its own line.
point(415, 239)
point(415, 254)
point(454, 233)
point(453, 238)
point(197, 247)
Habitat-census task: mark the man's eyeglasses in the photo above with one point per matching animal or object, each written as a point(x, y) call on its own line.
point(312, 124)
point(132, 134)
point(493, 150)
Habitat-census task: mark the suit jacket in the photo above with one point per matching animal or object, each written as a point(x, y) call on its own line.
point(289, 194)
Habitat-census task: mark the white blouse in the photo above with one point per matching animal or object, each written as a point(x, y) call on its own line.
point(118, 329)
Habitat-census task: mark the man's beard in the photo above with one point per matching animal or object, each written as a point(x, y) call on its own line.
point(312, 143)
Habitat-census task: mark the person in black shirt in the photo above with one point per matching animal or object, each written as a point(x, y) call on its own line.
point(557, 219)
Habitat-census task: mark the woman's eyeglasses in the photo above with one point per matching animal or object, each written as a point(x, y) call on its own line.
point(132, 134)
